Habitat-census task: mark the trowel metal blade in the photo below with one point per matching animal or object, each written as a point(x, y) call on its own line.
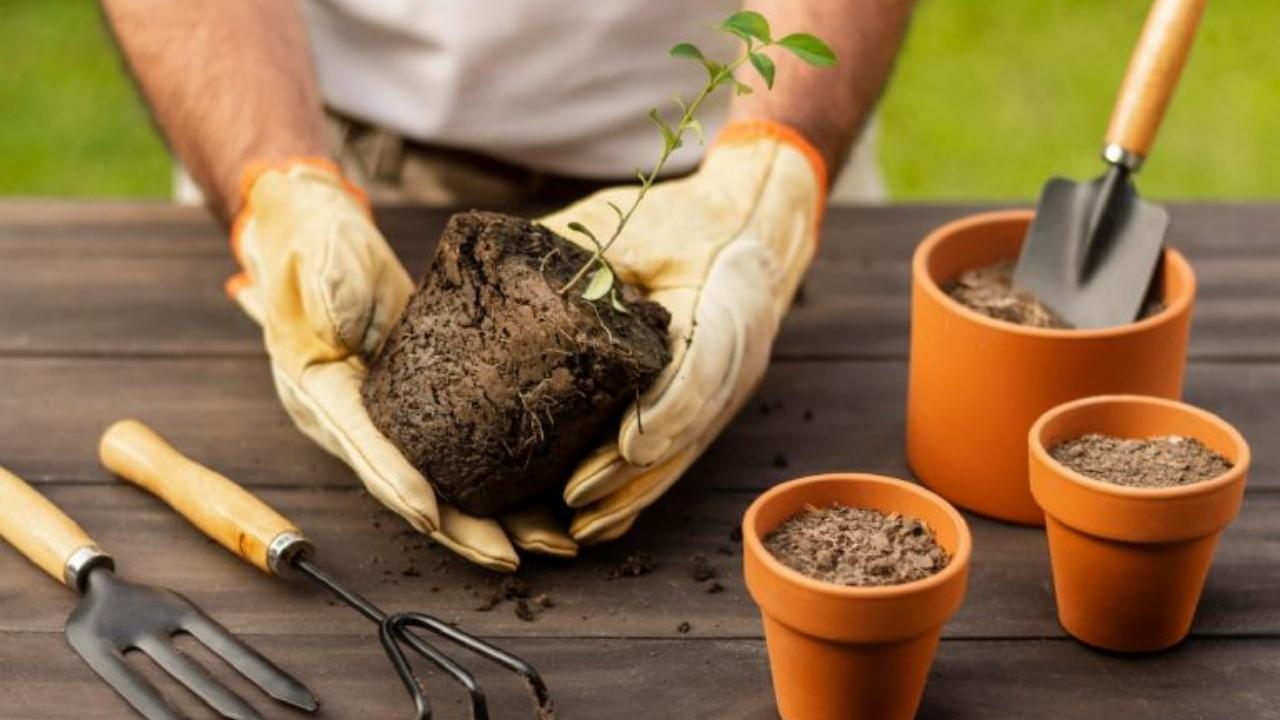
point(1093, 277)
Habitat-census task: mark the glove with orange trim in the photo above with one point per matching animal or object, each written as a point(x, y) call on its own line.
point(724, 251)
point(326, 288)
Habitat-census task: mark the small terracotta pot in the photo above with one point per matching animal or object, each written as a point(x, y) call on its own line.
point(977, 384)
point(1129, 563)
point(852, 652)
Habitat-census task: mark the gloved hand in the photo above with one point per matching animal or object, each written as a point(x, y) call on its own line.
point(724, 251)
point(326, 288)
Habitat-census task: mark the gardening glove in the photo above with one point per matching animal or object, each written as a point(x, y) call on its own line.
point(724, 251)
point(326, 288)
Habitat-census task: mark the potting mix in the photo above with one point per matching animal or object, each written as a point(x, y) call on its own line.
point(1168, 461)
point(857, 546)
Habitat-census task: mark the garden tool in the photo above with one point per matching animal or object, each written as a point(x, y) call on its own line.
point(258, 534)
point(115, 617)
point(1093, 248)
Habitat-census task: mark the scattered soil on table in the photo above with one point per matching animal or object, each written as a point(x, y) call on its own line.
point(636, 564)
point(989, 290)
point(684, 628)
point(525, 604)
point(494, 384)
point(1152, 462)
point(700, 568)
point(857, 546)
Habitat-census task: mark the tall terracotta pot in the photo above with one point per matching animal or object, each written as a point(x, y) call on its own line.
point(977, 384)
point(846, 653)
point(1129, 563)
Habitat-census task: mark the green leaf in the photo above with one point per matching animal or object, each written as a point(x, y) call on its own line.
point(616, 303)
point(580, 228)
point(600, 284)
point(695, 125)
point(680, 103)
point(742, 88)
point(688, 50)
point(748, 24)
point(809, 49)
point(764, 66)
point(669, 136)
point(616, 210)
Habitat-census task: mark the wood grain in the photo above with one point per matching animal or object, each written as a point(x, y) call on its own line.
point(224, 413)
point(146, 279)
point(115, 309)
point(1009, 596)
point(221, 509)
point(665, 679)
point(35, 527)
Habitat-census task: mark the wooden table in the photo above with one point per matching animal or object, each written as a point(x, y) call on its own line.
point(110, 310)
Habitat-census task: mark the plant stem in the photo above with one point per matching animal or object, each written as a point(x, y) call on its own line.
point(646, 181)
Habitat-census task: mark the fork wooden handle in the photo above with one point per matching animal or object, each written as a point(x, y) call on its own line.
point(39, 530)
point(221, 509)
point(1153, 72)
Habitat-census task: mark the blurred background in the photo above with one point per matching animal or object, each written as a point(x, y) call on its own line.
point(988, 100)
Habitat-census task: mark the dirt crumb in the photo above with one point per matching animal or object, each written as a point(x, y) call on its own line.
point(714, 588)
point(700, 568)
point(637, 564)
point(857, 546)
point(684, 628)
point(1168, 461)
point(525, 611)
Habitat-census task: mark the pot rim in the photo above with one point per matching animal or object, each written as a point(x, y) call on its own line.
point(939, 235)
point(1238, 467)
point(959, 558)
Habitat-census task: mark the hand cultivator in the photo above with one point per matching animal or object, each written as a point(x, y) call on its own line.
point(258, 534)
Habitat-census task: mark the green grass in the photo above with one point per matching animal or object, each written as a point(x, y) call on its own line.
point(989, 99)
point(70, 123)
point(992, 97)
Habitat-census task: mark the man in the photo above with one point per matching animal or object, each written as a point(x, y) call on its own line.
point(478, 101)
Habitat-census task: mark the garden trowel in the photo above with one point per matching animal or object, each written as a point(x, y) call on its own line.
point(1094, 247)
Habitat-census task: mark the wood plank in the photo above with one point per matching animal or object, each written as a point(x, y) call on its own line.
point(727, 680)
point(225, 412)
point(1009, 594)
point(111, 278)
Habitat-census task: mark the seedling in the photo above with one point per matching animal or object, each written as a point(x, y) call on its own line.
point(753, 30)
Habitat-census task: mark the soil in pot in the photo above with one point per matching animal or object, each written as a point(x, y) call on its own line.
point(494, 383)
point(857, 546)
point(1169, 461)
point(989, 290)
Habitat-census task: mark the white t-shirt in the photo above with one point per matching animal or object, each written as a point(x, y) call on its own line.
point(562, 86)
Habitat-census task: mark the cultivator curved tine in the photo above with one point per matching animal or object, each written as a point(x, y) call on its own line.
point(397, 627)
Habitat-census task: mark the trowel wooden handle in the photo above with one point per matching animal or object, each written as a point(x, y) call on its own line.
point(222, 509)
point(38, 529)
point(1153, 72)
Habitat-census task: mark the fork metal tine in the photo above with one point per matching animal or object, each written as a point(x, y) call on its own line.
point(109, 664)
point(262, 672)
point(198, 680)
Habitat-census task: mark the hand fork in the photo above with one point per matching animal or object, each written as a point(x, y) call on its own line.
point(115, 617)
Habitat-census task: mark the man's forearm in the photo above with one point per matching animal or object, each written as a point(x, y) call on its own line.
point(229, 82)
point(831, 105)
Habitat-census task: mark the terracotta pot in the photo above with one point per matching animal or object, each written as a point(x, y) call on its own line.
point(977, 384)
point(1129, 563)
point(852, 652)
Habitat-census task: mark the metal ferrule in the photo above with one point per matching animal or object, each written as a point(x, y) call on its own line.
point(284, 548)
point(76, 570)
point(1117, 155)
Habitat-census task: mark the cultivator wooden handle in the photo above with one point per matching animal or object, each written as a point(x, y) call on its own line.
point(221, 509)
point(42, 532)
point(1153, 72)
